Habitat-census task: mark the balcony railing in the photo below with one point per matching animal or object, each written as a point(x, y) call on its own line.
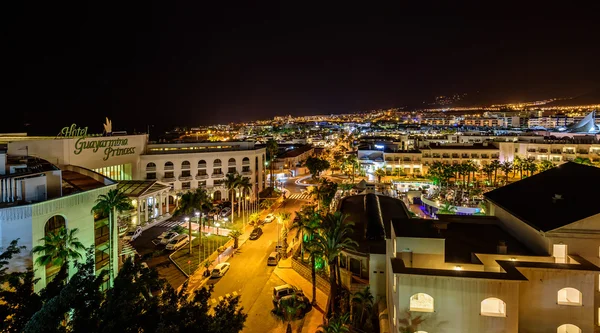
point(245, 162)
point(151, 168)
point(495, 156)
point(445, 156)
point(168, 179)
point(185, 167)
point(545, 151)
point(247, 173)
point(231, 163)
point(151, 178)
point(585, 152)
point(474, 156)
point(218, 175)
point(465, 155)
point(454, 155)
point(202, 166)
point(484, 156)
point(217, 164)
point(531, 150)
point(169, 167)
point(199, 177)
point(556, 151)
point(182, 178)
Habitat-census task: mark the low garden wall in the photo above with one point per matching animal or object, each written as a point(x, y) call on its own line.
point(305, 272)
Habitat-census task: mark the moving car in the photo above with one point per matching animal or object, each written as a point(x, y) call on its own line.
point(220, 270)
point(285, 290)
point(225, 212)
point(213, 212)
point(269, 218)
point(273, 258)
point(132, 235)
point(257, 232)
point(168, 237)
point(177, 242)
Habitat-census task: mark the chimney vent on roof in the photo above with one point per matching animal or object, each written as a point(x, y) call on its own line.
point(501, 248)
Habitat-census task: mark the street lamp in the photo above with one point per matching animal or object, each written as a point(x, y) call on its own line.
point(187, 219)
point(199, 236)
point(216, 244)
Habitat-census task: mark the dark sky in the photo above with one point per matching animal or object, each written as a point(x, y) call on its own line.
point(170, 64)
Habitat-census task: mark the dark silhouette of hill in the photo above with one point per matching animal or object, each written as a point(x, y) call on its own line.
point(592, 97)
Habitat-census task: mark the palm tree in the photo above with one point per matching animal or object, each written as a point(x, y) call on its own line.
point(410, 324)
point(314, 250)
point(245, 186)
point(254, 217)
point(284, 218)
point(495, 165)
point(583, 160)
point(379, 173)
point(364, 301)
point(530, 166)
point(333, 238)
point(231, 183)
point(336, 324)
point(447, 208)
point(272, 149)
point(235, 235)
point(109, 204)
point(518, 165)
point(545, 165)
point(59, 248)
point(488, 170)
point(506, 168)
point(290, 309)
point(267, 204)
point(305, 223)
point(191, 202)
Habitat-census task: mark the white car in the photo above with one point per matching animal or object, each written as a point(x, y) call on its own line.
point(177, 242)
point(132, 235)
point(225, 212)
point(168, 236)
point(269, 218)
point(220, 270)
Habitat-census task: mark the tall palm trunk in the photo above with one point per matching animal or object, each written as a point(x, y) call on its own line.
point(331, 301)
point(233, 205)
point(313, 274)
point(240, 206)
point(112, 231)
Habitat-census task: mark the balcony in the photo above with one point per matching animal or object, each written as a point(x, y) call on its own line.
point(217, 164)
point(583, 152)
point(247, 173)
point(445, 156)
point(200, 177)
point(484, 156)
point(544, 151)
point(185, 167)
point(454, 155)
point(218, 175)
point(151, 168)
point(246, 162)
point(464, 155)
point(202, 166)
point(185, 178)
point(169, 167)
point(474, 156)
point(168, 179)
point(426, 156)
point(531, 150)
point(151, 178)
point(495, 156)
point(231, 164)
point(556, 151)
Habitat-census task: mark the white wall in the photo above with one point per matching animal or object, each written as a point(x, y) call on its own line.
point(377, 273)
point(521, 231)
point(457, 303)
point(538, 300)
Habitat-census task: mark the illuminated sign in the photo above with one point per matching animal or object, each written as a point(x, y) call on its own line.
point(379, 146)
point(111, 147)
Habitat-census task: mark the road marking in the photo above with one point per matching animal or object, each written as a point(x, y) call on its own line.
point(214, 301)
point(227, 295)
point(234, 293)
point(220, 298)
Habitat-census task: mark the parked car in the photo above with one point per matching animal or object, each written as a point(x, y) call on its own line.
point(255, 234)
point(177, 242)
point(214, 211)
point(285, 290)
point(299, 299)
point(168, 237)
point(273, 258)
point(132, 235)
point(269, 218)
point(220, 270)
point(225, 212)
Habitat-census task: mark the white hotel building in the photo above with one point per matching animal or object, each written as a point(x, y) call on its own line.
point(48, 182)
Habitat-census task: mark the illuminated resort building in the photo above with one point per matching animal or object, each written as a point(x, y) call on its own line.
point(532, 266)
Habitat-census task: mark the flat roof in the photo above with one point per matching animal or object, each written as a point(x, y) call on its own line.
point(553, 198)
point(79, 181)
point(461, 147)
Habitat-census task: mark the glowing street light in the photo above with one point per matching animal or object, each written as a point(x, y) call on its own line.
point(187, 219)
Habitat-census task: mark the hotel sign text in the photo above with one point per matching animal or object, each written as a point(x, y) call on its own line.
point(111, 147)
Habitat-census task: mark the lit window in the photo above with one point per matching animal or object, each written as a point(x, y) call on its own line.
point(420, 332)
point(394, 284)
point(569, 296)
point(395, 247)
point(395, 323)
point(568, 328)
point(421, 303)
point(560, 253)
point(493, 307)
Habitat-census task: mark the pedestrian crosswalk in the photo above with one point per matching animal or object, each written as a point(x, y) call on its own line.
point(300, 196)
point(169, 223)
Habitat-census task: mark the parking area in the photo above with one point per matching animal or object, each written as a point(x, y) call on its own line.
point(156, 256)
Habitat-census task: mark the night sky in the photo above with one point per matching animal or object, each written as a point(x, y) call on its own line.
point(179, 65)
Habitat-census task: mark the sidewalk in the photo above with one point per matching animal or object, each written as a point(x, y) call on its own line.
point(314, 318)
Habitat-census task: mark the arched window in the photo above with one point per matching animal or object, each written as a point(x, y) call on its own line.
point(201, 164)
point(185, 164)
point(493, 307)
point(217, 163)
point(52, 226)
point(421, 302)
point(150, 166)
point(568, 328)
point(569, 296)
point(217, 195)
point(246, 161)
point(169, 165)
point(231, 161)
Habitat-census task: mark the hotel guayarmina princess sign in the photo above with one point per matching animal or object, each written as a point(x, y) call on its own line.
point(110, 146)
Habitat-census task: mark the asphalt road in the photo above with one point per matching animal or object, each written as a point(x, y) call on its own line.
point(156, 256)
